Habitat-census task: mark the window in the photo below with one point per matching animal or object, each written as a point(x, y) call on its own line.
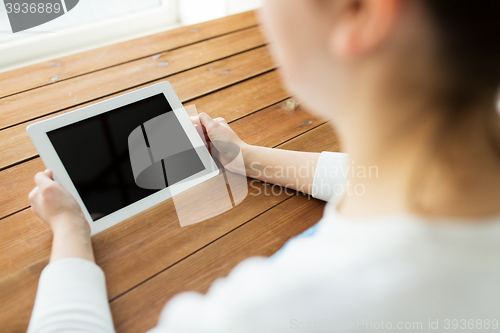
point(195, 11)
point(92, 23)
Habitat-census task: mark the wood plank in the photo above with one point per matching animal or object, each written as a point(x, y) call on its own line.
point(26, 250)
point(231, 103)
point(49, 99)
point(17, 293)
point(56, 70)
point(217, 75)
point(243, 98)
point(321, 138)
point(139, 309)
point(276, 124)
point(15, 185)
point(16, 182)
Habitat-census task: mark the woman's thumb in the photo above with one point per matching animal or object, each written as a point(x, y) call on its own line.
point(49, 174)
point(206, 120)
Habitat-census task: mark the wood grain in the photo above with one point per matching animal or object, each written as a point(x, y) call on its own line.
point(217, 75)
point(17, 295)
point(243, 98)
point(321, 138)
point(276, 124)
point(60, 69)
point(139, 309)
point(15, 185)
point(230, 103)
point(48, 99)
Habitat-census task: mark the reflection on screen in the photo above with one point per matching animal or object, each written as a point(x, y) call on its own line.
point(95, 153)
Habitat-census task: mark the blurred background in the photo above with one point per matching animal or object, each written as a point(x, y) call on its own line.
point(95, 23)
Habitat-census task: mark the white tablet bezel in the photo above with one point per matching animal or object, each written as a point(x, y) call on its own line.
point(38, 134)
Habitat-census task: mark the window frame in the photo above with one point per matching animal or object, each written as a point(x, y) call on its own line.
point(42, 47)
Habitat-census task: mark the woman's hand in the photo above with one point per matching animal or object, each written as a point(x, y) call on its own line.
point(218, 134)
point(56, 207)
point(53, 204)
point(265, 164)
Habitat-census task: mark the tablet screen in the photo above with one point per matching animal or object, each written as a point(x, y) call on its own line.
point(95, 153)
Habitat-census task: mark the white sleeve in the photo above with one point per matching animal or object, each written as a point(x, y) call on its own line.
point(330, 175)
point(71, 297)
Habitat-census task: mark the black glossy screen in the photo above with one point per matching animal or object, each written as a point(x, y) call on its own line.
point(95, 154)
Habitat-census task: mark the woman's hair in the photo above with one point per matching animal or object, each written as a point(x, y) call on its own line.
point(469, 52)
point(469, 35)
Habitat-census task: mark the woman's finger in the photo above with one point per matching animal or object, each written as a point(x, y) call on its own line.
point(195, 120)
point(220, 120)
point(207, 121)
point(33, 193)
point(49, 173)
point(42, 180)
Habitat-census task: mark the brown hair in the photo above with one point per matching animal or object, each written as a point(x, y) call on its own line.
point(469, 44)
point(469, 32)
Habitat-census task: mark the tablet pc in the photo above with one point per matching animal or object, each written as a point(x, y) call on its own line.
point(124, 155)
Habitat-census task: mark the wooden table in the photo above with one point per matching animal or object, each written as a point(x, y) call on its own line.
point(223, 67)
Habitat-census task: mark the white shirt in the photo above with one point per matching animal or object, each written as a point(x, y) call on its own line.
point(400, 273)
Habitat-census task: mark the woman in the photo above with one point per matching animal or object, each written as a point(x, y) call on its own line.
point(411, 88)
